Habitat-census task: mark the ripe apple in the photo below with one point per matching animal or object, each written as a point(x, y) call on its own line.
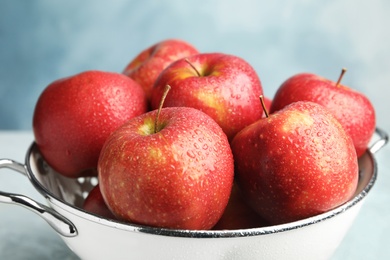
point(353, 109)
point(238, 215)
point(223, 86)
point(73, 117)
point(148, 64)
point(296, 163)
point(174, 172)
point(94, 203)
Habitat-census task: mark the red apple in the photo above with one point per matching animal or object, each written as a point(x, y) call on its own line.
point(94, 203)
point(296, 163)
point(238, 215)
point(148, 64)
point(176, 173)
point(353, 109)
point(74, 116)
point(223, 86)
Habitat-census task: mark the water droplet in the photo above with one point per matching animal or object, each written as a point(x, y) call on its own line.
point(196, 145)
point(307, 131)
point(191, 154)
point(205, 147)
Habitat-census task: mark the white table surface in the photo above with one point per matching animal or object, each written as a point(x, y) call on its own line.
point(24, 235)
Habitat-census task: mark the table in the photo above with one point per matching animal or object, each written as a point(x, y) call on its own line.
point(24, 235)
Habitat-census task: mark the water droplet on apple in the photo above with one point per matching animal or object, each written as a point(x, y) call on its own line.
point(205, 146)
point(191, 154)
point(196, 145)
point(198, 131)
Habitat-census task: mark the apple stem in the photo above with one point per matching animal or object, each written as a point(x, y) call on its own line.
point(193, 67)
point(343, 70)
point(263, 105)
point(165, 93)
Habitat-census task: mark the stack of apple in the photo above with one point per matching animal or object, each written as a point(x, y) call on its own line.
point(183, 139)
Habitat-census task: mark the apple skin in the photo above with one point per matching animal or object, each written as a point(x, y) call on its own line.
point(180, 177)
point(238, 215)
point(94, 203)
point(268, 102)
point(74, 116)
point(227, 89)
point(149, 63)
point(353, 109)
point(297, 163)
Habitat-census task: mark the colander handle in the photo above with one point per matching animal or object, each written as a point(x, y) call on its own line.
point(379, 143)
point(59, 223)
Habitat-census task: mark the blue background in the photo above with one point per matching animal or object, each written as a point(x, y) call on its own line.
point(41, 41)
